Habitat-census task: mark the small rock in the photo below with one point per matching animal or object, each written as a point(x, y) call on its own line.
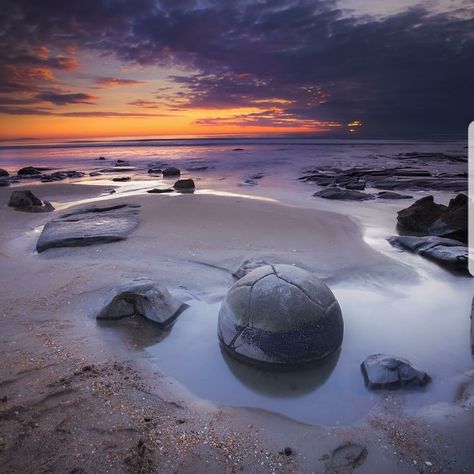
point(184, 185)
point(238, 149)
point(28, 171)
point(95, 173)
point(392, 195)
point(383, 371)
point(122, 179)
point(343, 194)
point(101, 158)
point(154, 170)
point(145, 299)
point(171, 171)
point(27, 201)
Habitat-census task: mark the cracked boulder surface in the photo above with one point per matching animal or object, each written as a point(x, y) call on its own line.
point(280, 316)
point(145, 299)
point(89, 226)
point(382, 371)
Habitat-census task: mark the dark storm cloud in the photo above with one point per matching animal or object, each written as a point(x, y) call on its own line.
point(407, 73)
point(65, 99)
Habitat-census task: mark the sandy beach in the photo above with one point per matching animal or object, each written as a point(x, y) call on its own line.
point(78, 396)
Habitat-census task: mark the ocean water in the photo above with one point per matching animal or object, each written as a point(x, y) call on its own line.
point(426, 322)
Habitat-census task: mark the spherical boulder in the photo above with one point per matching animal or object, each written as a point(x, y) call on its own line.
point(280, 315)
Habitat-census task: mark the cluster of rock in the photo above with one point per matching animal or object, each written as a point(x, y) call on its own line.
point(399, 178)
point(28, 202)
point(37, 173)
point(88, 226)
point(443, 231)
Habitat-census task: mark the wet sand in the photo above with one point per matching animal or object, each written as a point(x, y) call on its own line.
point(80, 397)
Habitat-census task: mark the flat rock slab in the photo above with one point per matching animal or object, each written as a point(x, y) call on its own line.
point(89, 226)
point(382, 371)
point(446, 252)
point(343, 194)
point(145, 299)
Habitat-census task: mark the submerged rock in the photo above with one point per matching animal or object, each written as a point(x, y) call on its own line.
point(27, 201)
point(184, 185)
point(280, 315)
point(89, 226)
point(382, 371)
point(446, 252)
point(343, 194)
point(144, 299)
point(171, 171)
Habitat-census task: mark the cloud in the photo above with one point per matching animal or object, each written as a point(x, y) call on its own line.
point(65, 99)
point(7, 110)
point(114, 81)
point(408, 73)
point(147, 104)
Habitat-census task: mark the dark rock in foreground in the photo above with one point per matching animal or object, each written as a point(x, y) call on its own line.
point(383, 371)
point(4, 172)
point(144, 299)
point(89, 226)
point(27, 201)
point(430, 218)
point(446, 252)
point(184, 185)
point(280, 316)
point(343, 194)
point(171, 171)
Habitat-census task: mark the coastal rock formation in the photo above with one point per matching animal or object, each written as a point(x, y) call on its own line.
point(184, 185)
point(382, 371)
point(145, 299)
point(430, 218)
point(28, 171)
point(171, 171)
point(280, 315)
point(343, 194)
point(27, 201)
point(446, 252)
point(60, 175)
point(88, 226)
point(4, 173)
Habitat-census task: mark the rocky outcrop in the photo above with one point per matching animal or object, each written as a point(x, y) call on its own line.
point(430, 218)
point(280, 315)
point(89, 226)
point(28, 202)
point(446, 252)
point(382, 371)
point(144, 299)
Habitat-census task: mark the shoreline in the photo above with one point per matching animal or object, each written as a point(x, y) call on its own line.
point(80, 365)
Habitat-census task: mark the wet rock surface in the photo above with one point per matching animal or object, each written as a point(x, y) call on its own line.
point(89, 226)
point(146, 299)
point(4, 173)
point(446, 252)
point(171, 171)
point(160, 191)
point(28, 202)
point(382, 371)
point(280, 316)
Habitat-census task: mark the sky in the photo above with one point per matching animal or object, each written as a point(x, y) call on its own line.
point(175, 68)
